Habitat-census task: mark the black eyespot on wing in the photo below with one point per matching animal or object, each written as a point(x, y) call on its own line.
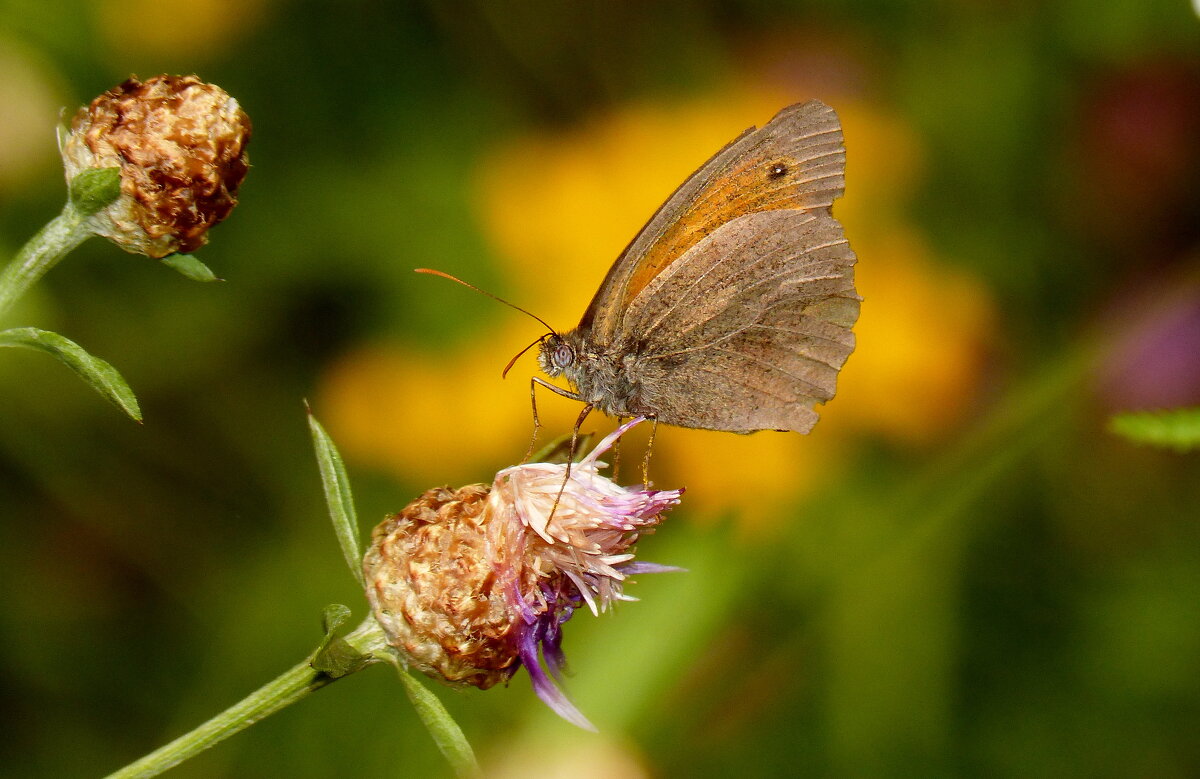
point(778, 170)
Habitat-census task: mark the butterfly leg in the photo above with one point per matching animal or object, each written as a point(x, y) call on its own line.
point(534, 382)
point(583, 415)
point(536, 422)
point(616, 450)
point(649, 449)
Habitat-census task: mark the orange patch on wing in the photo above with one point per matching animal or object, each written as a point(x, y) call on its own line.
point(797, 160)
point(747, 189)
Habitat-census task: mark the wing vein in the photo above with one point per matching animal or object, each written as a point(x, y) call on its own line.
point(744, 241)
point(817, 392)
point(753, 387)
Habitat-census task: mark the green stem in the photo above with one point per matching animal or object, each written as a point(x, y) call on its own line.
point(42, 252)
point(288, 688)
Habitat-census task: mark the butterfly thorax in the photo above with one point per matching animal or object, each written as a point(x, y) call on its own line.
point(598, 376)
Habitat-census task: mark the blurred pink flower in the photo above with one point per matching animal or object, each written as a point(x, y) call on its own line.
point(1154, 359)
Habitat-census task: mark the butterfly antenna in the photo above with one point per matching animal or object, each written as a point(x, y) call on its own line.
point(444, 275)
point(517, 356)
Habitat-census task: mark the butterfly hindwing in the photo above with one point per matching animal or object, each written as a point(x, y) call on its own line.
point(749, 330)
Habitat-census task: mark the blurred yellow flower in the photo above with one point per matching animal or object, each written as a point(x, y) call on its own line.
point(756, 477)
point(923, 340)
point(176, 28)
point(436, 418)
point(884, 166)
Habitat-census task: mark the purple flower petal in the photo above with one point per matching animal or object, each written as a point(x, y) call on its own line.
point(609, 439)
point(555, 659)
point(641, 504)
point(544, 686)
point(640, 566)
point(582, 554)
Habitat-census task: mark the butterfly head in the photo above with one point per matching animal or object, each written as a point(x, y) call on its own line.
point(555, 355)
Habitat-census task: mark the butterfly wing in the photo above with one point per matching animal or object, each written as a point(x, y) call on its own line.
point(795, 161)
point(748, 330)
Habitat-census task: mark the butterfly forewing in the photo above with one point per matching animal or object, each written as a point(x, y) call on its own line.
point(796, 161)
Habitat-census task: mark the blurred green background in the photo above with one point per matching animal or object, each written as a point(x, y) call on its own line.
point(958, 573)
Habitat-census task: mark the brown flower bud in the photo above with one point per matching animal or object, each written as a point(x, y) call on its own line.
point(471, 584)
point(435, 589)
point(180, 146)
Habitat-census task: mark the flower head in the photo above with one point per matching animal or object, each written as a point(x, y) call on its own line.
point(471, 584)
point(180, 146)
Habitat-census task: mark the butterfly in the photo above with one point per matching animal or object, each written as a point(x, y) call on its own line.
point(732, 309)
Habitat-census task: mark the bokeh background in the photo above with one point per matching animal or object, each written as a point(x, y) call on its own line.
point(960, 572)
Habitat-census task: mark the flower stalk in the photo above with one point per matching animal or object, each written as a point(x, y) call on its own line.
point(42, 252)
point(289, 687)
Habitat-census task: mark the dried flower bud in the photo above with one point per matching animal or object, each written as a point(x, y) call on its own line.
point(180, 146)
point(471, 584)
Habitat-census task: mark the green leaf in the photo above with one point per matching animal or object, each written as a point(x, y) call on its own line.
point(95, 189)
point(337, 659)
point(96, 372)
point(334, 656)
point(1177, 428)
point(338, 497)
point(446, 733)
point(190, 267)
point(333, 617)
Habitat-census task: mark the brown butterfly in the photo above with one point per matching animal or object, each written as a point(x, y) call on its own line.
point(732, 308)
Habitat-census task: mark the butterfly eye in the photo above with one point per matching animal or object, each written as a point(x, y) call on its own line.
point(778, 170)
point(563, 356)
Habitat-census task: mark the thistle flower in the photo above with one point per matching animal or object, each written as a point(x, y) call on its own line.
point(179, 144)
point(471, 584)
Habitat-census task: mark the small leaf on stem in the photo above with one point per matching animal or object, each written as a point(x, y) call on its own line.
point(335, 657)
point(1177, 428)
point(100, 375)
point(338, 497)
point(445, 731)
point(190, 267)
point(95, 189)
point(333, 617)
